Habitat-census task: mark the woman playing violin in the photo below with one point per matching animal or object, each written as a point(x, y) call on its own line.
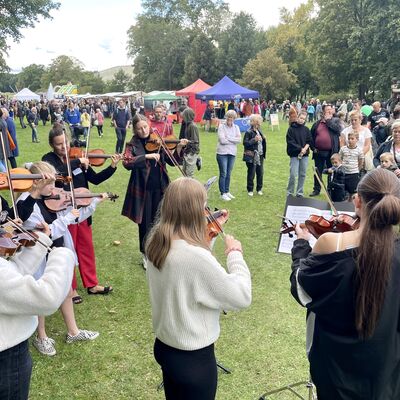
point(350, 284)
point(82, 175)
point(149, 177)
point(188, 289)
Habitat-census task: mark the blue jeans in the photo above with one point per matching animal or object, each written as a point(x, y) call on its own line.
point(298, 167)
point(225, 164)
point(15, 372)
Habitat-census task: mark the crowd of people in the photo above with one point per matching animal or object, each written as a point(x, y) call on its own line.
point(348, 281)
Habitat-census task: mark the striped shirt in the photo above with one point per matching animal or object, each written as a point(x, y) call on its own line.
point(350, 158)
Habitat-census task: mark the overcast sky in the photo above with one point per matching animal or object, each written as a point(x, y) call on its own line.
point(94, 31)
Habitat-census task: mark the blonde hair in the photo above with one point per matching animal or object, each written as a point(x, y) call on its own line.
point(231, 114)
point(43, 167)
point(255, 118)
point(355, 113)
point(181, 214)
point(387, 156)
point(353, 133)
point(335, 156)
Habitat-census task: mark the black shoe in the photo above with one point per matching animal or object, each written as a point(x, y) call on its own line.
point(314, 193)
point(198, 163)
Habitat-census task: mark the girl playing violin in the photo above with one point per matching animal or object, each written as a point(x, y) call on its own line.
point(188, 289)
point(350, 284)
point(149, 177)
point(82, 175)
point(58, 224)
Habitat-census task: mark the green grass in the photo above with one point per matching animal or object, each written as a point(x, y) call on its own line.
point(264, 346)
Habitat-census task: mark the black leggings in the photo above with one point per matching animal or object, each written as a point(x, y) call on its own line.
point(187, 374)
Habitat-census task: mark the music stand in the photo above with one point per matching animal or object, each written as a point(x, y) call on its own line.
point(290, 388)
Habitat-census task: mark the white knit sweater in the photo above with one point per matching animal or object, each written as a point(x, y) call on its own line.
point(22, 297)
point(189, 292)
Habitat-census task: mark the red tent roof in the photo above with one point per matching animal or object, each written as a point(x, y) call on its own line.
point(195, 87)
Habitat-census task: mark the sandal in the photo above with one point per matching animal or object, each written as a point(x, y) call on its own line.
point(106, 290)
point(77, 299)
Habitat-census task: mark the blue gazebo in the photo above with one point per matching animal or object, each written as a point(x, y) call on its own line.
point(227, 89)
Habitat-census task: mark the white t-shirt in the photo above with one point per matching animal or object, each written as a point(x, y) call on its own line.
point(364, 134)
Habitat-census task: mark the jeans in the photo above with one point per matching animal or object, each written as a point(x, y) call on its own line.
point(34, 133)
point(252, 171)
point(15, 372)
point(121, 133)
point(225, 165)
point(298, 167)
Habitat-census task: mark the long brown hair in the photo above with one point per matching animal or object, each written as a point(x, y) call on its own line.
point(181, 214)
point(379, 191)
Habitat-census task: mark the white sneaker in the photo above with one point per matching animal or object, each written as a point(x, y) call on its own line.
point(231, 196)
point(144, 262)
point(82, 336)
point(250, 194)
point(260, 193)
point(44, 346)
point(225, 197)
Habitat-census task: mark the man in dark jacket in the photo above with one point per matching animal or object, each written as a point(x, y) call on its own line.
point(121, 119)
point(325, 135)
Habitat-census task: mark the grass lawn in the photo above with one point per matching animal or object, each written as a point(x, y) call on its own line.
point(264, 346)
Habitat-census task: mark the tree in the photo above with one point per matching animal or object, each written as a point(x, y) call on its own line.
point(31, 77)
point(237, 44)
point(91, 82)
point(8, 82)
point(62, 70)
point(356, 44)
point(290, 39)
point(18, 14)
point(158, 49)
point(120, 82)
point(268, 74)
point(200, 61)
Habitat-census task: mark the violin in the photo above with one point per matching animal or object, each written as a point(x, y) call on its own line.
point(318, 225)
point(96, 157)
point(61, 199)
point(22, 179)
point(154, 142)
point(215, 220)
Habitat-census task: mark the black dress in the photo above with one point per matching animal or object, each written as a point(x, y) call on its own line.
point(342, 366)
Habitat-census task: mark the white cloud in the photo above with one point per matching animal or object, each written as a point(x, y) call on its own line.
point(95, 31)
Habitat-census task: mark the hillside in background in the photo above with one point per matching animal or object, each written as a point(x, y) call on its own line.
point(108, 74)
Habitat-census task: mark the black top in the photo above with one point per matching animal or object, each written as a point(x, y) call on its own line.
point(342, 366)
point(297, 136)
point(375, 116)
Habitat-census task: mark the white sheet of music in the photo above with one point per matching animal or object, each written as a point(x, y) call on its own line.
point(300, 214)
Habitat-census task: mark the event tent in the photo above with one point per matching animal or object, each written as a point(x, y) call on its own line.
point(25, 95)
point(227, 89)
point(161, 97)
point(190, 92)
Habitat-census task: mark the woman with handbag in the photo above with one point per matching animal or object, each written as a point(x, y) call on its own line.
point(255, 149)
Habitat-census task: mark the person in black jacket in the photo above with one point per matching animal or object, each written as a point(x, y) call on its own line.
point(336, 180)
point(298, 140)
point(81, 233)
point(255, 149)
point(325, 135)
point(350, 284)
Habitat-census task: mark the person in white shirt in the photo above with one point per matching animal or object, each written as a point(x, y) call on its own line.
point(22, 298)
point(228, 139)
point(188, 290)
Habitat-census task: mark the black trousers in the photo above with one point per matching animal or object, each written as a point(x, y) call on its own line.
point(15, 372)
point(151, 202)
point(322, 160)
point(187, 374)
point(351, 182)
point(121, 134)
point(252, 171)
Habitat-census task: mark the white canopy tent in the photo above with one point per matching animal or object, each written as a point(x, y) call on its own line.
point(50, 92)
point(25, 95)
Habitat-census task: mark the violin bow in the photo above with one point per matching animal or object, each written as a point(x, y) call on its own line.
point(325, 192)
point(71, 183)
point(87, 142)
point(10, 184)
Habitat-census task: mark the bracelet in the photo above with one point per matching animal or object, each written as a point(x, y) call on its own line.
point(233, 249)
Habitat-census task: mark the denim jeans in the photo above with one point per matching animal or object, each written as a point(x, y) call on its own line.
point(298, 167)
point(34, 133)
point(225, 165)
point(15, 372)
point(121, 133)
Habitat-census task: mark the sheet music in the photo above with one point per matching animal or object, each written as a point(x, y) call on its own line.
point(300, 214)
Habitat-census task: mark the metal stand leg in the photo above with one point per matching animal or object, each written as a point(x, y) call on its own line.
point(290, 388)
